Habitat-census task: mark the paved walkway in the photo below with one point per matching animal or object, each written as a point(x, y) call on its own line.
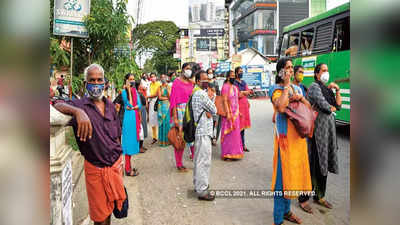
point(161, 195)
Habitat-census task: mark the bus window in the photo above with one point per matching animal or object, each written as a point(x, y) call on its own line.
point(307, 41)
point(341, 40)
point(323, 39)
point(284, 44)
point(294, 45)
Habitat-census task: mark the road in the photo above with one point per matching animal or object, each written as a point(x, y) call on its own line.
point(161, 195)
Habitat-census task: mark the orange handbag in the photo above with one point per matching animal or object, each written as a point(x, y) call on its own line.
point(176, 138)
point(219, 103)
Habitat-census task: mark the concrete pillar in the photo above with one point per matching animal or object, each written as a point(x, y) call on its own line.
point(60, 171)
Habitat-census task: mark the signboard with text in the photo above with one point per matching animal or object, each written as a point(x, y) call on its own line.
point(223, 67)
point(219, 32)
point(253, 75)
point(205, 44)
point(68, 17)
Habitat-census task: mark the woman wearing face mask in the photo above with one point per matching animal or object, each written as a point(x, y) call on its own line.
point(291, 171)
point(181, 90)
point(323, 147)
point(298, 78)
point(231, 143)
point(131, 123)
point(153, 117)
point(244, 105)
point(163, 112)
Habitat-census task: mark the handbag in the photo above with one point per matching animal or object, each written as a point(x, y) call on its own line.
point(219, 104)
point(156, 105)
point(124, 210)
point(302, 118)
point(175, 138)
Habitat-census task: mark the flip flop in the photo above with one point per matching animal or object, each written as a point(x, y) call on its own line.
point(324, 203)
point(306, 208)
point(292, 218)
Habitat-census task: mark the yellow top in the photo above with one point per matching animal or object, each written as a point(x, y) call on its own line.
point(154, 88)
point(294, 160)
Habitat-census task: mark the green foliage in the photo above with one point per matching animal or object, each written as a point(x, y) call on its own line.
point(164, 63)
point(108, 28)
point(58, 56)
point(125, 65)
point(158, 38)
point(155, 36)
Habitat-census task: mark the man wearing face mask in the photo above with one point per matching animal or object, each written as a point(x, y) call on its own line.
point(323, 145)
point(203, 111)
point(97, 131)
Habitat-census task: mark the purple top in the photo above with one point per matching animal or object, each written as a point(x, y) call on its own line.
point(104, 148)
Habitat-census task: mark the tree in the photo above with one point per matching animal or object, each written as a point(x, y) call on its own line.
point(157, 38)
point(108, 26)
point(164, 62)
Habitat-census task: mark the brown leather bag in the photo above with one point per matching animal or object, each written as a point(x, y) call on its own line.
point(302, 118)
point(176, 138)
point(219, 103)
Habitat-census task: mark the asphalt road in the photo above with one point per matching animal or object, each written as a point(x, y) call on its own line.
point(161, 195)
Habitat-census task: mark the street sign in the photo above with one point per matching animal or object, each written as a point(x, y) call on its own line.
point(223, 67)
point(206, 44)
point(68, 18)
point(217, 32)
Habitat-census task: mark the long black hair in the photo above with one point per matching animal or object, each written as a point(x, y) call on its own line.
point(185, 65)
point(127, 77)
point(280, 65)
point(317, 69)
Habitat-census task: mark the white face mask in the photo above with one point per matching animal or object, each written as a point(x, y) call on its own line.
point(188, 73)
point(325, 77)
point(210, 76)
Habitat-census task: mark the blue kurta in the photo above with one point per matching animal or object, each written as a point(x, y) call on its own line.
point(130, 143)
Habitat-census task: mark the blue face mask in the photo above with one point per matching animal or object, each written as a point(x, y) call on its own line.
point(95, 91)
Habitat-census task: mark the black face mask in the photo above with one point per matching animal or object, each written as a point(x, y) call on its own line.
point(232, 80)
point(133, 83)
point(204, 85)
point(240, 75)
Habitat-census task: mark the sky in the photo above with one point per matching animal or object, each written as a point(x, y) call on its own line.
point(172, 10)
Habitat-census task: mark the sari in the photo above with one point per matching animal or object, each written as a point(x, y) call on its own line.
point(244, 106)
point(231, 142)
point(163, 118)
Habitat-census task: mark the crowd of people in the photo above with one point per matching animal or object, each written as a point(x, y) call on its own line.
point(107, 130)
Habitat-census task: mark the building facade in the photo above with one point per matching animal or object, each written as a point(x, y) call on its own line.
point(259, 23)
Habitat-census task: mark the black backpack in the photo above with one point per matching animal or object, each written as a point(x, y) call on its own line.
point(189, 126)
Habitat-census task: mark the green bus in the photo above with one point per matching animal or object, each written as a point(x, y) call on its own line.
point(324, 38)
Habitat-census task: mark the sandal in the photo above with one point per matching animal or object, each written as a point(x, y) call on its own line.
point(292, 218)
point(246, 150)
point(306, 208)
point(133, 173)
point(324, 203)
point(207, 197)
point(154, 141)
point(182, 169)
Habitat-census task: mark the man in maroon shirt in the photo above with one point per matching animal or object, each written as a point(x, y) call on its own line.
point(97, 130)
